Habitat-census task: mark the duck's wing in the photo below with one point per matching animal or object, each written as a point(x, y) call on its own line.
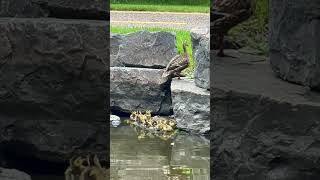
point(174, 62)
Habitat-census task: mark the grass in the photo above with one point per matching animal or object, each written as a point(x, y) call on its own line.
point(180, 36)
point(253, 33)
point(202, 6)
point(160, 8)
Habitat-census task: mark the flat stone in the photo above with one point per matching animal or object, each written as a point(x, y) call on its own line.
point(143, 49)
point(54, 68)
point(295, 41)
point(191, 106)
point(13, 174)
point(200, 39)
point(133, 89)
point(268, 126)
point(71, 9)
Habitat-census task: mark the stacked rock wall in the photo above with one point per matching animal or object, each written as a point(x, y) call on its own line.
point(54, 78)
point(137, 60)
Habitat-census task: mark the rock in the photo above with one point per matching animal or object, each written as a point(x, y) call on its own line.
point(71, 9)
point(114, 118)
point(294, 41)
point(262, 127)
point(54, 68)
point(200, 39)
point(133, 89)
point(12, 174)
point(115, 41)
point(228, 42)
point(143, 49)
point(51, 141)
point(191, 106)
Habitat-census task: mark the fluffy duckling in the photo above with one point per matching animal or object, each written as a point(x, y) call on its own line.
point(134, 116)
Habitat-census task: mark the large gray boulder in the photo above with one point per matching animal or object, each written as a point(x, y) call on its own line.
point(71, 9)
point(13, 174)
point(200, 39)
point(143, 49)
point(295, 41)
point(54, 68)
point(133, 89)
point(191, 106)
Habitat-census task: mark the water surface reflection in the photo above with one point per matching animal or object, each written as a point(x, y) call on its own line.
point(139, 155)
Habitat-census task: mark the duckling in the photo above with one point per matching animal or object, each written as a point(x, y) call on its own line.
point(133, 116)
point(177, 63)
point(172, 122)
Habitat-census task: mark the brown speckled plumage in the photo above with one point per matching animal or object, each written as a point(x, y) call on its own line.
point(227, 14)
point(177, 63)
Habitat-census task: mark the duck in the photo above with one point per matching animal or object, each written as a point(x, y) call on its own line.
point(133, 116)
point(227, 14)
point(177, 63)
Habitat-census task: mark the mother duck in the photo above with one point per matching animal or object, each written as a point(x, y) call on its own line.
point(227, 14)
point(177, 63)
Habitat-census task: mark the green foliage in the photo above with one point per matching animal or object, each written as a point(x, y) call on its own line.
point(180, 36)
point(166, 2)
point(160, 8)
point(253, 33)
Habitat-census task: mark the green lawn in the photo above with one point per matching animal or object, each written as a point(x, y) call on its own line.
point(180, 36)
point(253, 33)
point(160, 8)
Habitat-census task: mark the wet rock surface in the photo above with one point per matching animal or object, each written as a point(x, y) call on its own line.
point(191, 106)
point(142, 49)
point(54, 67)
point(71, 9)
point(200, 40)
point(262, 127)
point(294, 41)
point(133, 89)
point(12, 174)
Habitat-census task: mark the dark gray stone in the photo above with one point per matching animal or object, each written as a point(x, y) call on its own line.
point(133, 89)
point(71, 9)
point(12, 174)
point(262, 127)
point(191, 106)
point(51, 141)
point(143, 49)
point(295, 41)
point(200, 39)
point(54, 68)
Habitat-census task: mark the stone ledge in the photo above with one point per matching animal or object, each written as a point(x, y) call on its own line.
point(269, 127)
point(54, 67)
point(191, 106)
point(133, 89)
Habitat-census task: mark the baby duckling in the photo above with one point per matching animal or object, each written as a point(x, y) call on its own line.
point(133, 116)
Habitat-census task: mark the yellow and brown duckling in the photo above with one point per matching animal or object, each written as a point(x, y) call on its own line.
point(86, 168)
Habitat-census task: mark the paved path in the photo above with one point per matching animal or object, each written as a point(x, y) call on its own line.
point(160, 19)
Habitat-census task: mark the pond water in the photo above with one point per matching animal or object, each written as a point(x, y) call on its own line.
point(137, 154)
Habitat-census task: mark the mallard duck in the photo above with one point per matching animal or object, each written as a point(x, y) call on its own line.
point(177, 63)
point(227, 14)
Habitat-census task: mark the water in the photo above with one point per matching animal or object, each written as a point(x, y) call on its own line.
point(140, 155)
